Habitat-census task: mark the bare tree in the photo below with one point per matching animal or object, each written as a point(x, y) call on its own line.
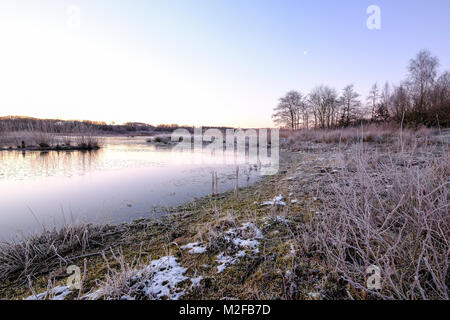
point(383, 106)
point(305, 113)
point(324, 105)
point(350, 104)
point(400, 103)
point(287, 112)
point(385, 96)
point(422, 75)
point(372, 99)
point(439, 113)
point(424, 98)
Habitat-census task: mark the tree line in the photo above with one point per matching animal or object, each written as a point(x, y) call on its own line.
point(423, 98)
point(23, 123)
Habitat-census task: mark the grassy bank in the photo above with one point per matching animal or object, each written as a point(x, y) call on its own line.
point(309, 232)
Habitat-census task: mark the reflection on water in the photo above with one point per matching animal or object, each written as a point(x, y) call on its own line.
point(33, 165)
point(124, 180)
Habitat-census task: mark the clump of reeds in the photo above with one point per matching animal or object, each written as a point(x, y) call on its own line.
point(124, 281)
point(48, 135)
point(85, 137)
point(43, 135)
point(39, 252)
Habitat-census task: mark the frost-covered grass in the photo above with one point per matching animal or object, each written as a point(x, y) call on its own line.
point(159, 279)
point(384, 133)
point(57, 293)
point(32, 254)
point(276, 201)
point(389, 210)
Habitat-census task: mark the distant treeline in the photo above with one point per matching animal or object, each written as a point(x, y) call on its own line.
point(19, 123)
point(423, 98)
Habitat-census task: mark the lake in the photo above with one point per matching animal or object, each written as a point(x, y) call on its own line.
point(126, 179)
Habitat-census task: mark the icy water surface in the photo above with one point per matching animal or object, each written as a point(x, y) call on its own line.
point(125, 180)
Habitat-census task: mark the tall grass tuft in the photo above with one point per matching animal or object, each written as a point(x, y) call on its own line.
point(85, 137)
point(38, 253)
point(125, 281)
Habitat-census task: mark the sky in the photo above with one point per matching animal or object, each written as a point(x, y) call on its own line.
point(202, 62)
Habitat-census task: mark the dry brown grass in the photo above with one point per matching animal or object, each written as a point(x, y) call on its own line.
point(38, 253)
point(390, 210)
point(126, 279)
point(386, 133)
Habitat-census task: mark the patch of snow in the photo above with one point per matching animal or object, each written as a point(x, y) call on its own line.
point(280, 219)
point(224, 261)
point(249, 243)
point(59, 293)
point(195, 248)
point(241, 254)
point(249, 225)
point(167, 274)
point(195, 282)
point(294, 201)
point(277, 201)
point(314, 295)
point(292, 249)
point(241, 238)
point(190, 245)
point(158, 279)
point(279, 198)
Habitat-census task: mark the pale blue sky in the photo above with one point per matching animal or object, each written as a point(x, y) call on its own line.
point(202, 62)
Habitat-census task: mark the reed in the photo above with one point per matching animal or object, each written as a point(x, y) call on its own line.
point(36, 253)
